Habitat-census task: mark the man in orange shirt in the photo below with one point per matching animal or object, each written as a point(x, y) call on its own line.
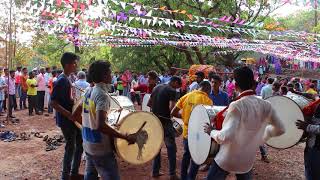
point(24, 88)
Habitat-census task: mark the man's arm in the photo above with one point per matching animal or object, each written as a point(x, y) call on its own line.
point(175, 112)
point(61, 109)
point(106, 129)
point(275, 127)
point(230, 126)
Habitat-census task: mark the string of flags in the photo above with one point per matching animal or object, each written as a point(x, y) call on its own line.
point(93, 22)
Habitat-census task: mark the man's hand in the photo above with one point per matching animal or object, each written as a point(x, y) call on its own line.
point(131, 138)
point(302, 125)
point(208, 128)
point(70, 117)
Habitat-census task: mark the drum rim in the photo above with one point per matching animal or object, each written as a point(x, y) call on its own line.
point(117, 139)
point(209, 135)
point(300, 119)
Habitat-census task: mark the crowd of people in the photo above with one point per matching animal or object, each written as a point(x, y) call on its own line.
point(172, 95)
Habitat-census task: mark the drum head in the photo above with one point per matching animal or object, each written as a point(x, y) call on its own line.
point(198, 141)
point(113, 116)
point(124, 101)
point(145, 103)
point(289, 112)
point(149, 140)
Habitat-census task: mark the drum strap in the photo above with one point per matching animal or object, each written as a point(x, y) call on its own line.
point(219, 118)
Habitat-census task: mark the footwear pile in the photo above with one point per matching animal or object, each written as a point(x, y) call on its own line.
point(54, 142)
point(8, 136)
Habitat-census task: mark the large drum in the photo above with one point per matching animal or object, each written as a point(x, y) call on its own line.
point(148, 127)
point(149, 138)
point(124, 101)
point(289, 110)
point(201, 145)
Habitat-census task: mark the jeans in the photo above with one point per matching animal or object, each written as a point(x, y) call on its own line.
point(23, 99)
point(106, 166)
point(215, 172)
point(126, 91)
point(18, 90)
point(32, 101)
point(1, 104)
point(170, 142)
point(263, 150)
point(12, 103)
point(4, 104)
point(40, 100)
point(312, 163)
point(50, 108)
point(73, 149)
point(186, 160)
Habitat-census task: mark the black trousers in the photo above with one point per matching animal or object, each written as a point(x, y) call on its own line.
point(12, 103)
point(32, 101)
point(40, 100)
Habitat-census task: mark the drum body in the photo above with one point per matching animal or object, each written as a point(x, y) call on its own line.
point(300, 100)
point(124, 101)
point(288, 109)
point(145, 101)
point(149, 140)
point(201, 145)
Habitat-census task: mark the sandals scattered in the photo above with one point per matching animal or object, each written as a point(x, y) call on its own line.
point(53, 143)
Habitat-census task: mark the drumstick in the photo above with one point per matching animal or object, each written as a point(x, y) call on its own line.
point(118, 117)
point(141, 127)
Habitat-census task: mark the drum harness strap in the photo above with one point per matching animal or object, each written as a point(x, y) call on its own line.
point(219, 118)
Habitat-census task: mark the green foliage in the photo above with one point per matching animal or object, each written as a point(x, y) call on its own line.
point(302, 21)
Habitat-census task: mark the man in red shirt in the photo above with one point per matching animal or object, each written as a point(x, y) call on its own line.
point(147, 89)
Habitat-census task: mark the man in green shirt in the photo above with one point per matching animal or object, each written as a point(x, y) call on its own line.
point(32, 93)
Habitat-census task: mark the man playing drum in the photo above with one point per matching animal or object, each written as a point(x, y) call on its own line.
point(97, 135)
point(312, 149)
point(186, 104)
point(162, 101)
point(249, 122)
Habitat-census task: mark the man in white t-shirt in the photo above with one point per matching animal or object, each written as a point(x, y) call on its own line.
point(195, 84)
point(249, 123)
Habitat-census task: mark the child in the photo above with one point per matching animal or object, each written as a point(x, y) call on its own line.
point(32, 93)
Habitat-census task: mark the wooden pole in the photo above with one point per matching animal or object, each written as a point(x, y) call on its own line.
point(10, 62)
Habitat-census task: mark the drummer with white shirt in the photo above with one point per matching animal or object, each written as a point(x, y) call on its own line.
point(249, 123)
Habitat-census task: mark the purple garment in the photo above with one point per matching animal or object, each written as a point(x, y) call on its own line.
point(258, 89)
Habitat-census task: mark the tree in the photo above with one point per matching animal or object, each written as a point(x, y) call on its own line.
point(252, 10)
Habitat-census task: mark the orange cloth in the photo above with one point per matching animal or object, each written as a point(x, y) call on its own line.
point(50, 85)
point(23, 80)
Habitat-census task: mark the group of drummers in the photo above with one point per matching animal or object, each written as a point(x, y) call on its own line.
point(239, 129)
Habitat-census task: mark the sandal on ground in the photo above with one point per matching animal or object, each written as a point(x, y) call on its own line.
point(50, 147)
point(45, 138)
point(37, 134)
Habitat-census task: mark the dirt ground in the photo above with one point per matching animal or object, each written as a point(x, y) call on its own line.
point(29, 160)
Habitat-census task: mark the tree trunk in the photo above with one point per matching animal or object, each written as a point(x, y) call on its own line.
point(199, 55)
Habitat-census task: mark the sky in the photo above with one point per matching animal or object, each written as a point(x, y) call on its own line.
point(288, 9)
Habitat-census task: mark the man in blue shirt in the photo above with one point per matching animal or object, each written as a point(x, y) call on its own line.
point(219, 98)
point(62, 101)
